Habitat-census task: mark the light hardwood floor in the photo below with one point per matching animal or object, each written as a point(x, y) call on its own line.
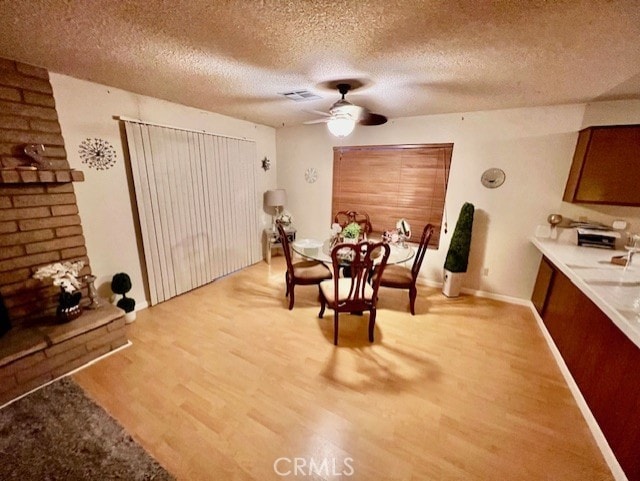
point(223, 381)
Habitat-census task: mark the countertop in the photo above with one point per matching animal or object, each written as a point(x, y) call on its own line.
point(613, 288)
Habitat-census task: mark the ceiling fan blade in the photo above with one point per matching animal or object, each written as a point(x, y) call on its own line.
point(318, 112)
point(317, 121)
point(372, 119)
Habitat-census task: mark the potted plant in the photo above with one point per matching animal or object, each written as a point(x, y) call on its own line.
point(121, 284)
point(455, 265)
point(351, 233)
point(65, 275)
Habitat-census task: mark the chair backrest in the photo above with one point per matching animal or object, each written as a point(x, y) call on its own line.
point(356, 293)
point(422, 248)
point(285, 247)
point(345, 217)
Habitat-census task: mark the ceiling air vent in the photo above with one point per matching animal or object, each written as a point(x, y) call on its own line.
point(300, 95)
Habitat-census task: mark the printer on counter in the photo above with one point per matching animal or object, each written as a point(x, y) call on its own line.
point(597, 238)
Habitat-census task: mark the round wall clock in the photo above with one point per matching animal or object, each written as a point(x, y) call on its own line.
point(311, 175)
point(493, 178)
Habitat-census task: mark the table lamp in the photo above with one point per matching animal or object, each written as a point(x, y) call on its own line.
point(275, 198)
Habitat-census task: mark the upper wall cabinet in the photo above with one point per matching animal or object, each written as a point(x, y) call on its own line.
point(606, 166)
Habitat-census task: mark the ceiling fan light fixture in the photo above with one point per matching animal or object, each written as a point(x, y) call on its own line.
point(341, 126)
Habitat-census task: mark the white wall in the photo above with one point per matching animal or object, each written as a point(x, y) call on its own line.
point(534, 146)
point(87, 110)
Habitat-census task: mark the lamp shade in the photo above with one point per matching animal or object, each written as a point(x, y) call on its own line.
point(275, 198)
point(341, 126)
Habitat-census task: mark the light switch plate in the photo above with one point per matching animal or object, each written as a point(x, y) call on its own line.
point(619, 224)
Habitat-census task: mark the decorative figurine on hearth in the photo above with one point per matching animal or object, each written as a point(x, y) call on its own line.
point(36, 152)
point(89, 280)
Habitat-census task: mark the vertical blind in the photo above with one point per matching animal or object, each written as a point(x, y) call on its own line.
point(390, 182)
point(197, 205)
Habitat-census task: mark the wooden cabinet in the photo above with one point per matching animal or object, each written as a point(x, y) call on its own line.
point(606, 166)
point(604, 363)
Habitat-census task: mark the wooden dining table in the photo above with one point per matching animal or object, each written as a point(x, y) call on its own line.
point(321, 251)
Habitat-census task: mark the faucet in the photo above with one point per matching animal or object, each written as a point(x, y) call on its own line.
point(633, 246)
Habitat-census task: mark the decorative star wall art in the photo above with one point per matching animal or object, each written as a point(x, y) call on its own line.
point(97, 154)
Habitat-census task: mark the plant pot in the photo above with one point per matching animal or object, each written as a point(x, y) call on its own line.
point(66, 314)
point(129, 317)
point(452, 283)
point(68, 306)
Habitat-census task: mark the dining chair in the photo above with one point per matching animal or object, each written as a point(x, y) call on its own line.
point(345, 217)
point(359, 292)
point(303, 273)
point(400, 277)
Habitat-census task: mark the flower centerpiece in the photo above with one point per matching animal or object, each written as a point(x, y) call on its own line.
point(65, 275)
point(351, 232)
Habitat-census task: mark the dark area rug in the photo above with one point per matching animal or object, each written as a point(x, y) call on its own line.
point(58, 433)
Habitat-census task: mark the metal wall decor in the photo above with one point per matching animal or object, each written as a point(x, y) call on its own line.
point(311, 175)
point(266, 164)
point(97, 154)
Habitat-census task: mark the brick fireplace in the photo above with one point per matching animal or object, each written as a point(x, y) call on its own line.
point(39, 224)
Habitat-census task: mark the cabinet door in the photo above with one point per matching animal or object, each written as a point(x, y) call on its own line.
point(561, 316)
point(604, 363)
point(606, 166)
point(541, 288)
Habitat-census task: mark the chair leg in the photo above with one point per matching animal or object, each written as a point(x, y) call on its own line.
point(335, 328)
point(413, 293)
point(291, 296)
point(286, 281)
point(323, 303)
point(372, 323)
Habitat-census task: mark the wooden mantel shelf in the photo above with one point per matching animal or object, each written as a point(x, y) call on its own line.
point(18, 176)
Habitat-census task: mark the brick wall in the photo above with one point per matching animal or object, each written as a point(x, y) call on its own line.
point(39, 221)
point(28, 114)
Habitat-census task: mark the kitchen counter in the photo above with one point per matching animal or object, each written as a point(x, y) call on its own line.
point(613, 288)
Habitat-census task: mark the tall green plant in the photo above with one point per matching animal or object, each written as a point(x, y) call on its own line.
point(458, 255)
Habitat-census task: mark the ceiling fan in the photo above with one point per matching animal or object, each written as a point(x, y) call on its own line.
point(343, 115)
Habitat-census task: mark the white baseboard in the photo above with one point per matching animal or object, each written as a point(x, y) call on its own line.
point(597, 433)
point(141, 305)
point(497, 297)
point(479, 293)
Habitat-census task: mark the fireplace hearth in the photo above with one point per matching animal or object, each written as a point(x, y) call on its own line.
point(40, 225)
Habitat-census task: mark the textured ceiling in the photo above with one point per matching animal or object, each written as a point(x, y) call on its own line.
point(414, 57)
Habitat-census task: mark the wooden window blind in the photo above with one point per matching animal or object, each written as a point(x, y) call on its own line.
point(391, 182)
